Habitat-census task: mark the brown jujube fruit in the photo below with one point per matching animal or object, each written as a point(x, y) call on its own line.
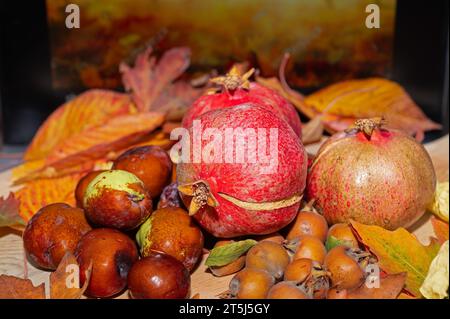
point(54, 230)
point(159, 276)
point(82, 185)
point(151, 164)
point(172, 231)
point(111, 254)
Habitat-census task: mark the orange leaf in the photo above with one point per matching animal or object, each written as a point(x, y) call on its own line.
point(65, 281)
point(9, 211)
point(87, 110)
point(390, 288)
point(398, 251)
point(97, 142)
point(147, 79)
point(367, 98)
point(18, 288)
point(440, 229)
point(36, 194)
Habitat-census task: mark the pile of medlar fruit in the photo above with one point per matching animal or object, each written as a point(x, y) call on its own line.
point(312, 262)
point(115, 209)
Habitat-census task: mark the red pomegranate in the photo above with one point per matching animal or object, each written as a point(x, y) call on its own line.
point(236, 191)
point(373, 175)
point(238, 90)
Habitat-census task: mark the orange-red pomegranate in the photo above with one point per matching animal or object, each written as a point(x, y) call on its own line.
point(238, 90)
point(234, 196)
point(372, 174)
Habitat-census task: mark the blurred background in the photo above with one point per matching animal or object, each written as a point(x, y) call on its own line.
point(43, 63)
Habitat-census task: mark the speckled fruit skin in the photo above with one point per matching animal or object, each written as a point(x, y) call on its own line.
point(387, 180)
point(116, 208)
point(172, 231)
point(159, 276)
point(54, 230)
point(151, 164)
point(244, 181)
point(258, 94)
point(112, 254)
point(82, 185)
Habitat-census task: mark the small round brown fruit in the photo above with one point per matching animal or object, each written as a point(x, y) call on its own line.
point(309, 247)
point(82, 185)
point(342, 264)
point(54, 230)
point(341, 234)
point(299, 270)
point(287, 290)
point(172, 231)
point(251, 283)
point(151, 164)
point(159, 276)
point(232, 267)
point(117, 199)
point(274, 237)
point(335, 293)
point(308, 224)
point(112, 254)
point(269, 256)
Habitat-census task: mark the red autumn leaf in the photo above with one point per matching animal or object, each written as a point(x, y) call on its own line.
point(440, 229)
point(9, 211)
point(146, 80)
point(36, 194)
point(12, 287)
point(87, 110)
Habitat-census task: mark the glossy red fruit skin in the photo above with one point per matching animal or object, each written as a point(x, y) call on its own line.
point(258, 94)
point(151, 164)
point(244, 181)
point(117, 209)
point(112, 254)
point(159, 276)
point(54, 230)
point(82, 185)
point(386, 180)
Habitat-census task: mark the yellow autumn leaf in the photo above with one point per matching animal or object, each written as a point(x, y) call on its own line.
point(398, 251)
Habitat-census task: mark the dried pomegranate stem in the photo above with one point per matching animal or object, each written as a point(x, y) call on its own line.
point(367, 126)
point(234, 79)
point(201, 196)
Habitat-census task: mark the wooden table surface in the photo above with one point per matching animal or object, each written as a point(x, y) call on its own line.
point(203, 282)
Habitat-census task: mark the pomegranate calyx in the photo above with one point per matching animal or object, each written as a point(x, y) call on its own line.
point(234, 79)
point(286, 202)
point(201, 195)
point(367, 126)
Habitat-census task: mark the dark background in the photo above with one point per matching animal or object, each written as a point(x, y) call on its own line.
point(27, 97)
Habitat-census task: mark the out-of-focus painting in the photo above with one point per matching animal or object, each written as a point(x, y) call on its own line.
point(328, 39)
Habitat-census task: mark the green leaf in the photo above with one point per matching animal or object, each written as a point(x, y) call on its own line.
point(333, 242)
point(223, 255)
point(9, 211)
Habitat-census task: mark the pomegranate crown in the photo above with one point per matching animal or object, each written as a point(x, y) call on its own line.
point(367, 126)
point(234, 79)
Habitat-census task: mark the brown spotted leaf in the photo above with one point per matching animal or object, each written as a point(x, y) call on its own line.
point(147, 79)
point(65, 281)
point(398, 251)
point(9, 211)
point(88, 110)
point(17, 288)
point(390, 288)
